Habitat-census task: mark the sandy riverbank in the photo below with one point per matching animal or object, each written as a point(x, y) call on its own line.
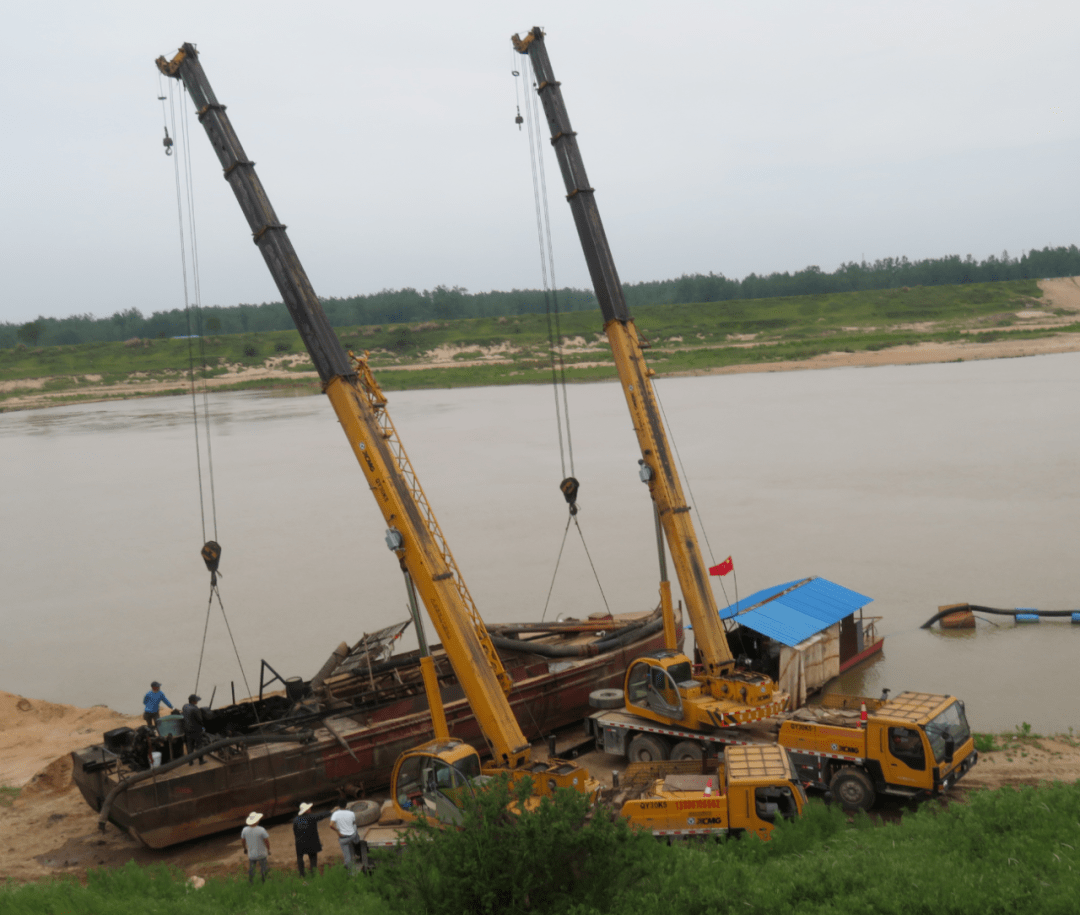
point(1061, 295)
point(50, 830)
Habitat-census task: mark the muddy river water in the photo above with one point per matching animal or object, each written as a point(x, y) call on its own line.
point(916, 485)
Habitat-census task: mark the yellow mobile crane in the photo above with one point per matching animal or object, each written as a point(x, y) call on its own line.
point(660, 687)
point(433, 777)
point(912, 746)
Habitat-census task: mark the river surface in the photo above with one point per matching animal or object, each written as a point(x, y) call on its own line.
point(916, 485)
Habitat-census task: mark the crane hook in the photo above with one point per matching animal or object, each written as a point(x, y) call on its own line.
point(211, 554)
point(519, 120)
point(569, 488)
point(167, 143)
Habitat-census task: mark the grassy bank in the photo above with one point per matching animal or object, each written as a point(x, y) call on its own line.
point(484, 351)
point(1004, 851)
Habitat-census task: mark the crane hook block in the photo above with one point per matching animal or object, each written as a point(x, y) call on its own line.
point(569, 488)
point(211, 554)
point(167, 143)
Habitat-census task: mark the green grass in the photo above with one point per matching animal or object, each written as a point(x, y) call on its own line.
point(1004, 851)
point(8, 794)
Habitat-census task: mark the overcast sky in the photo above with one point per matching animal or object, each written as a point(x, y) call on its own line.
point(720, 136)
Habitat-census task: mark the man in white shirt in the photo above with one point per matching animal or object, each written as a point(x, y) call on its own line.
point(256, 841)
point(343, 822)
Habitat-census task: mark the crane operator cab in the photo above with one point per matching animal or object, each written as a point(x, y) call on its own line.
point(658, 681)
point(434, 780)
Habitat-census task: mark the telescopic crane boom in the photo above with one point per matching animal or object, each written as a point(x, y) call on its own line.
point(659, 687)
point(414, 534)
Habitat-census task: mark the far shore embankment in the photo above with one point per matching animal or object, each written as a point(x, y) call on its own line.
point(1040, 327)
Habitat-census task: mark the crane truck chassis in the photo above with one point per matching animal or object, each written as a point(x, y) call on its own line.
point(914, 746)
point(748, 792)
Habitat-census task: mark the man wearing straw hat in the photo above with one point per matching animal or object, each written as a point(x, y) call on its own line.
point(306, 833)
point(256, 842)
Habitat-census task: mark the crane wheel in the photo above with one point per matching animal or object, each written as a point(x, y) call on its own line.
point(853, 789)
point(646, 748)
point(606, 698)
point(366, 812)
point(686, 749)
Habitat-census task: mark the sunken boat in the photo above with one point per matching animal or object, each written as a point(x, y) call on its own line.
point(337, 735)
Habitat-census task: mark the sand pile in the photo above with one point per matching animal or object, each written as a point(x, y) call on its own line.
point(33, 733)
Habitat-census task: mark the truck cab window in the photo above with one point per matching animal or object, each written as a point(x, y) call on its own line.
point(770, 802)
point(907, 746)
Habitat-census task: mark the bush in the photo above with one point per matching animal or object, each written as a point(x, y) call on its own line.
point(547, 859)
point(251, 350)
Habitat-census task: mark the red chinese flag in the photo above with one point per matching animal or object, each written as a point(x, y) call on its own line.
point(726, 566)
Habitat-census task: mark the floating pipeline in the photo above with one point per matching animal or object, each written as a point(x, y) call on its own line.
point(1019, 614)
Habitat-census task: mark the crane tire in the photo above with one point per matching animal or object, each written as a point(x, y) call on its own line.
point(647, 748)
point(687, 749)
point(853, 789)
point(366, 812)
point(606, 698)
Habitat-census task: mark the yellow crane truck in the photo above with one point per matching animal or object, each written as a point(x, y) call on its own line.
point(659, 687)
point(434, 776)
point(748, 793)
point(913, 746)
point(668, 709)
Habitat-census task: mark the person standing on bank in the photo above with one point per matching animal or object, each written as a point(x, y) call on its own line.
point(152, 704)
point(193, 726)
point(256, 842)
point(306, 833)
point(343, 822)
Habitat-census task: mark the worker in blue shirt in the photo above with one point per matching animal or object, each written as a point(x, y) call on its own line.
point(152, 703)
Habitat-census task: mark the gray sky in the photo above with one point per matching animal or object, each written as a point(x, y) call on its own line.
point(720, 136)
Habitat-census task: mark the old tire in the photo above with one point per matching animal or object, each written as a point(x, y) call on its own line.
point(686, 749)
point(647, 748)
point(366, 812)
point(606, 698)
point(853, 789)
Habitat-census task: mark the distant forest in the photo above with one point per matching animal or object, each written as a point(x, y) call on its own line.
point(399, 306)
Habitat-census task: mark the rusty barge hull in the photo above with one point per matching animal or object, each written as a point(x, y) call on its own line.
point(352, 753)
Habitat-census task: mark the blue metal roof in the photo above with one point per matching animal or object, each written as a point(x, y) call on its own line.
point(792, 612)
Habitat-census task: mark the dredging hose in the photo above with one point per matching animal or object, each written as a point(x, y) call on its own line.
point(975, 608)
point(618, 640)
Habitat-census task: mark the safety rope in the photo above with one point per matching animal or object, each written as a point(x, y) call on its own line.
point(190, 184)
point(185, 194)
point(215, 591)
point(558, 561)
point(547, 272)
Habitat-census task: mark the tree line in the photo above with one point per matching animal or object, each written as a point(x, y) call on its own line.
point(443, 303)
